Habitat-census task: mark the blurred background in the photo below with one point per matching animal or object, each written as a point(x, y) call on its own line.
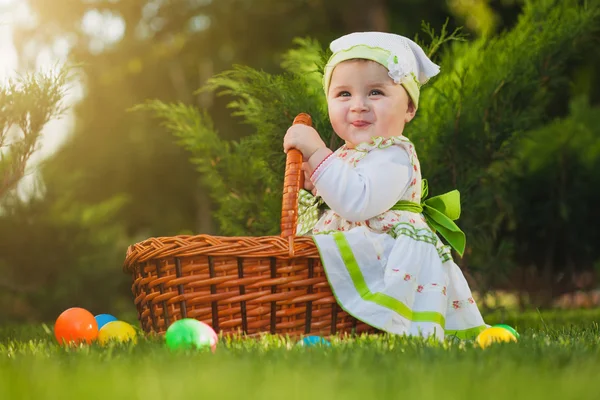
point(103, 177)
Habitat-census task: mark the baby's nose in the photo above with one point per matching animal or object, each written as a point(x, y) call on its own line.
point(359, 104)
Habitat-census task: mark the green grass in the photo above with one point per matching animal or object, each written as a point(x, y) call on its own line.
point(560, 360)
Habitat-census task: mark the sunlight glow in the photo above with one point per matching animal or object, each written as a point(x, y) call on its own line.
point(104, 29)
point(8, 55)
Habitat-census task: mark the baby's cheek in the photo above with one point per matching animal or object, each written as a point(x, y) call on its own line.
point(337, 118)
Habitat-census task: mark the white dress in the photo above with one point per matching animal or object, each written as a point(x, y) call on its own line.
point(387, 267)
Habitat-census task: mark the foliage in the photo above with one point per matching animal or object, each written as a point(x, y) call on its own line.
point(551, 189)
point(77, 247)
point(27, 103)
point(34, 284)
point(243, 176)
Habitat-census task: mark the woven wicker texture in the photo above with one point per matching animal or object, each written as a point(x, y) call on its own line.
point(250, 285)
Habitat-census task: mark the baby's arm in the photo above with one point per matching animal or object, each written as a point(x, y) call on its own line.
point(372, 187)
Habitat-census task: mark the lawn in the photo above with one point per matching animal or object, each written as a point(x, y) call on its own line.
point(556, 358)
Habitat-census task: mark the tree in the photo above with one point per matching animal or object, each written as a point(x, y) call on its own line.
point(27, 103)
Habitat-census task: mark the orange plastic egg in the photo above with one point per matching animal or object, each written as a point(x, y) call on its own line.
point(75, 325)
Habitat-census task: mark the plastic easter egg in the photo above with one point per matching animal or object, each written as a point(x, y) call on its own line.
point(494, 335)
point(189, 333)
point(103, 319)
point(117, 331)
point(74, 326)
point(509, 328)
point(314, 341)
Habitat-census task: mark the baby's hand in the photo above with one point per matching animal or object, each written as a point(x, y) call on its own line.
point(304, 138)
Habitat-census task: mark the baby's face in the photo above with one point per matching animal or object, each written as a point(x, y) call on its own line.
point(364, 102)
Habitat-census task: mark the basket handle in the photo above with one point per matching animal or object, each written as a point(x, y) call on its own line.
point(293, 181)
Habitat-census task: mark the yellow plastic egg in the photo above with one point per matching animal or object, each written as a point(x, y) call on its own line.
point(494, 335)
point(117, 331)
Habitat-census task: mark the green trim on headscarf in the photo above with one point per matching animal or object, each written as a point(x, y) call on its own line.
point(377, 54)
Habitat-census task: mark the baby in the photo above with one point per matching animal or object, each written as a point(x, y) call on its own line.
point(378, 238)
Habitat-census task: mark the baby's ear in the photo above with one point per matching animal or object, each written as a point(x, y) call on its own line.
point(410, 111)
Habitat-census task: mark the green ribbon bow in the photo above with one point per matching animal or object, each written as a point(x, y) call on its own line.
point(440, 212)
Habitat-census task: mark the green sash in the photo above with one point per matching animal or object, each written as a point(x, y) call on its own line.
point(440, 212)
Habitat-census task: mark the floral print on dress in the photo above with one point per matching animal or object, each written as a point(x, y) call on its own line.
point(431, 287)
point(456, 304)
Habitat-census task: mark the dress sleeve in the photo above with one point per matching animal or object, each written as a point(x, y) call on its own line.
point(373, 186)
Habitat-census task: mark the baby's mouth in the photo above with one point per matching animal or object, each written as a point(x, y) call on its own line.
point(360, 124)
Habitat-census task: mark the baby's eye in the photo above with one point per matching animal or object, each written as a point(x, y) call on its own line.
point(375, 92)
point(343, 94)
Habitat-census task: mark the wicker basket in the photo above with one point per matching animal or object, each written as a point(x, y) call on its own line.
point(250, 285)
